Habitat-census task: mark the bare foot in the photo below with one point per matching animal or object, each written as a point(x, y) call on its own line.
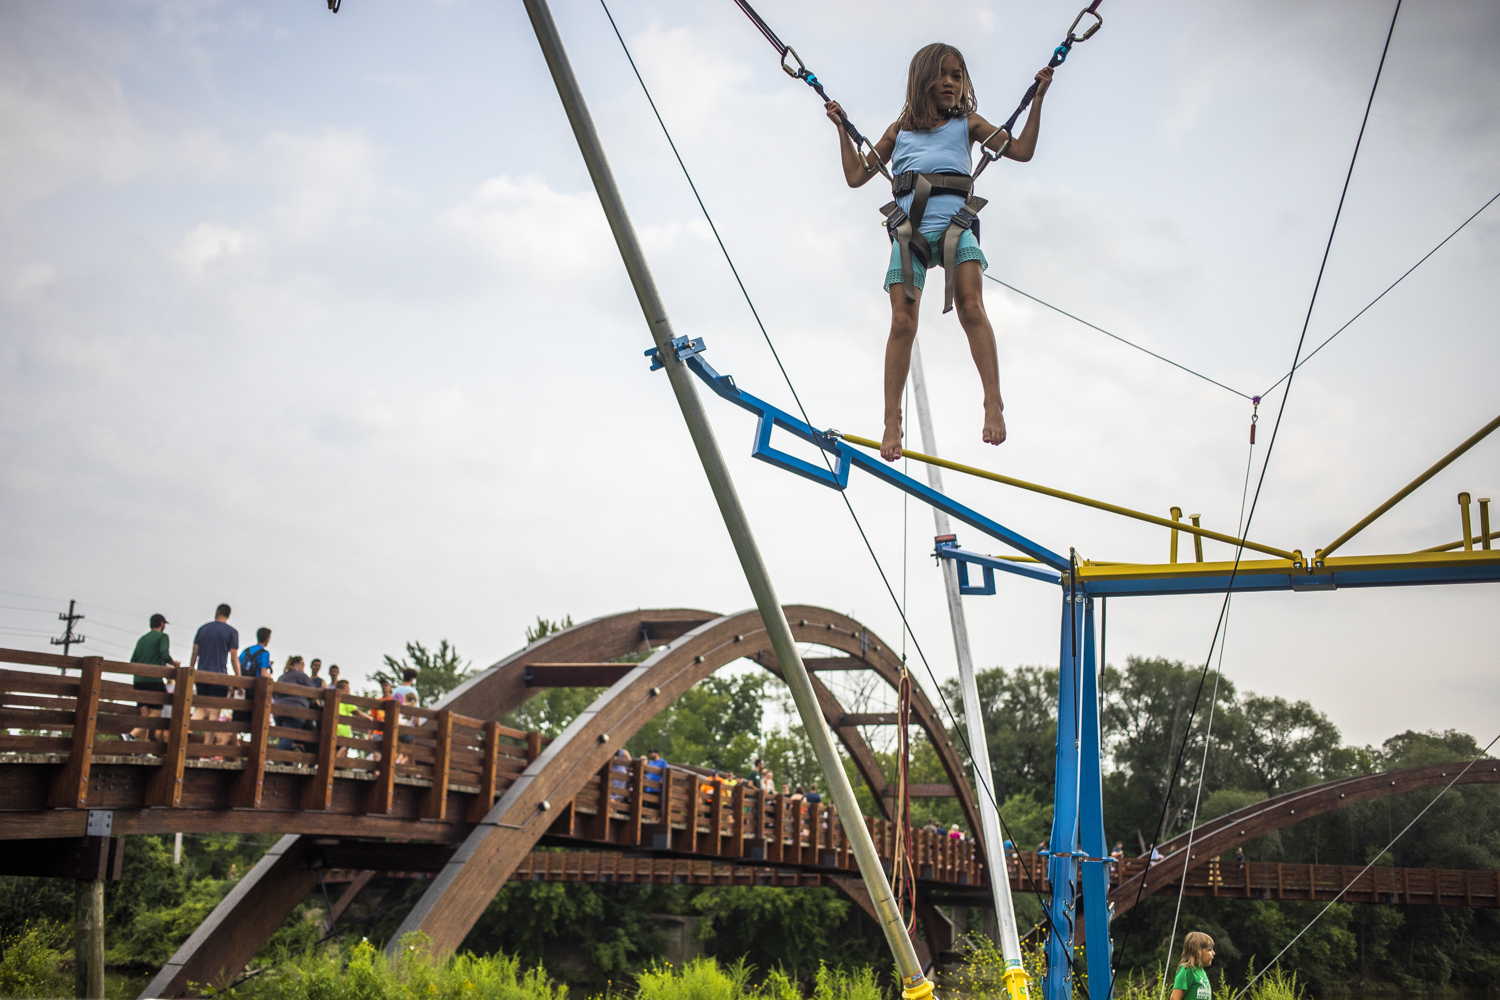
point(890, 444)
point(994, 424)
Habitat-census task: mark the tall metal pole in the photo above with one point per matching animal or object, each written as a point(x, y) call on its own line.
point(1017, 983)
point(915, 984)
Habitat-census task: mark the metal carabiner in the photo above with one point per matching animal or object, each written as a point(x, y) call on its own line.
point(865, 162)
point(987, 156)
point(801, 70)
point(1098, 23)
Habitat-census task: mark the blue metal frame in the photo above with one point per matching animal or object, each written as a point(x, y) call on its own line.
point(1078, 853)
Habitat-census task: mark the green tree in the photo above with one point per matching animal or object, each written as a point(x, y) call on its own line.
point(543, 627)
point(1020, 725)
point(438, 670)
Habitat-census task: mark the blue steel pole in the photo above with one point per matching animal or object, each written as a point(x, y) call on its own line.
point(1091, 821)
point(1061, 866)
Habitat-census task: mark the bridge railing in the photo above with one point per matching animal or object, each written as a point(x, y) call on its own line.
point(85, 714)
point(633, 803)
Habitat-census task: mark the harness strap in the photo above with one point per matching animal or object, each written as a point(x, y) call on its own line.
point(965, 218)
point(904, 230)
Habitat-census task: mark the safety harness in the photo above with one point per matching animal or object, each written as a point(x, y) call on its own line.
point(902, 226)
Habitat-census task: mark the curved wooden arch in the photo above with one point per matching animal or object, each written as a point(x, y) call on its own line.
point(1258, 819)
point(459, 894)
point(502, 687)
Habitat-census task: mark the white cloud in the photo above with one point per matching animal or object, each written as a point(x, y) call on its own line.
point(533, 232)
point(323, 178)
point(207, 242)
point(37, 274)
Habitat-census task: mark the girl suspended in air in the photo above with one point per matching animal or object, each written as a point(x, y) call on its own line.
point(932, 221)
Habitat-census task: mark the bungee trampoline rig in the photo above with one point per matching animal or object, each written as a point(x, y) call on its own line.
point(1078, 854)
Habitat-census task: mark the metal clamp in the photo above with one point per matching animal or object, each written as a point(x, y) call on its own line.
point(801, 70)
point(683, 347)
point(1098, 23)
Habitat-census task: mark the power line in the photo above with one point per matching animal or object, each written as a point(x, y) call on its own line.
point(1392, 285)
point(1116, 336)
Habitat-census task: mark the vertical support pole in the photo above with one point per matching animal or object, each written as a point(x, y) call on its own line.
point(164, 788)
point(88, 939)
point(436, 806)
point(1484, 522)
point(1061, 865)
point(1176, 516)
point(70, 788)
point(1463, 506)
point(915, 985)
point(1197, 538)
point(1091, 820)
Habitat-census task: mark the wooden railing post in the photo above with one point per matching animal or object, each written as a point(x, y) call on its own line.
point(716, 818)
point(637, 801)
point(490, 770)
point(533, 745)
point(600, 827)
point(252, 780)
point(737, 836)
point(436, 806)
point(776, 851)
point(317, 794)
point(382, 795)
point(70, 788)
point(164, 788)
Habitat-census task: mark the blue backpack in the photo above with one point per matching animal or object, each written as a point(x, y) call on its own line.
point(257, 658)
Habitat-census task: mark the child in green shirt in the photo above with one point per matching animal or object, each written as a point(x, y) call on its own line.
point(1197, 955)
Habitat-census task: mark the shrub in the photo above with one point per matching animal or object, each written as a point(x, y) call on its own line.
point(32, 966)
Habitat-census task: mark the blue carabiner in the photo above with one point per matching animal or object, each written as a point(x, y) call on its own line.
point(1061, 53)
point(812, 81)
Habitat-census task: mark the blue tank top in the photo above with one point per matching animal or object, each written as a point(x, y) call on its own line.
point(944, 149)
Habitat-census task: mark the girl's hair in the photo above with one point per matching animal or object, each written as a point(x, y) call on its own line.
point(1193, 947)
point(291, 660)
point(921, 110)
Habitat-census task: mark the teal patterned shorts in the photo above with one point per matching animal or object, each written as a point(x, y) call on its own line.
point(968, 249)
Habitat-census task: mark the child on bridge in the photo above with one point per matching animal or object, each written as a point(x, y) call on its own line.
point(932, 220)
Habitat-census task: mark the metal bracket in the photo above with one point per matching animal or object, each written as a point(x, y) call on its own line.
point(947, 547)
point(683, 347)
point(101, 822)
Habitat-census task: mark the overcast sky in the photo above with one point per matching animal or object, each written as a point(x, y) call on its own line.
point(317, 315)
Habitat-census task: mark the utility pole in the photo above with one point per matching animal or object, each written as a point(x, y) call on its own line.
point(67, 640)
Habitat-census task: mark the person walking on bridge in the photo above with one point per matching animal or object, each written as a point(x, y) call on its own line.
point(215, 647)
point(156, 649)
point(293, 675)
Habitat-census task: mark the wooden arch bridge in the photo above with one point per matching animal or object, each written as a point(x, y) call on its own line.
point(466, 800)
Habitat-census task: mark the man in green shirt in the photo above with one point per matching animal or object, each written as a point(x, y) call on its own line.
point(156, 649)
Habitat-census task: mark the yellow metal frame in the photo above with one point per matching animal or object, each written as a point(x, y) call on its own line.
point(1476, 549)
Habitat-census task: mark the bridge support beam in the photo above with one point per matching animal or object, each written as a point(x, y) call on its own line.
point(258, 903)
